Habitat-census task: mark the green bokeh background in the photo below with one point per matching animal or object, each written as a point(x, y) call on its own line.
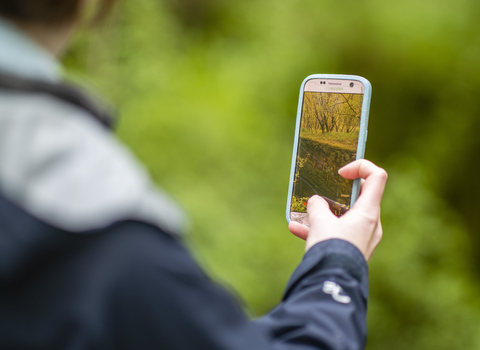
point(208, 91)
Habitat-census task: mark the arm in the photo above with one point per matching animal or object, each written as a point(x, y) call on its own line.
point(172, 303)
point(337, 251)
point(325, 303)
point(163, 300)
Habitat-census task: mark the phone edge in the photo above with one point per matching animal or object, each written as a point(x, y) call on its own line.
point(362, 137)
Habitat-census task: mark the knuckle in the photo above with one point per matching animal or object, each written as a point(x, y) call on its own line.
point(370, 217)
point(382, 173)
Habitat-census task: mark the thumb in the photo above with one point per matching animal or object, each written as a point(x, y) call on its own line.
point(318, 211)
point(321, 219)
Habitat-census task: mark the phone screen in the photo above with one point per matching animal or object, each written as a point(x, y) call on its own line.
point(328, 140)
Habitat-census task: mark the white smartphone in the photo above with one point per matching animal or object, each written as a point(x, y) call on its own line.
point(330, 132)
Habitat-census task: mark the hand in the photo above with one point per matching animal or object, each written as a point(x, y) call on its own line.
point(361, 225)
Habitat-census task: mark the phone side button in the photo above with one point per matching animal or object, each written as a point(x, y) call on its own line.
point(366, 135)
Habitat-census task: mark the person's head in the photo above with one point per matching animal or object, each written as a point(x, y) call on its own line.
point(50, 21)
point(48, 12)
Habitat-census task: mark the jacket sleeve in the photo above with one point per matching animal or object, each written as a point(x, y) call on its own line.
point(163, 300)
point(325, 303)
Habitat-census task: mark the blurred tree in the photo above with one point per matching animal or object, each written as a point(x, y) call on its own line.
point(205, 15)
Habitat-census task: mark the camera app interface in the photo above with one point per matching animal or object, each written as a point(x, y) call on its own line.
point(329, 130)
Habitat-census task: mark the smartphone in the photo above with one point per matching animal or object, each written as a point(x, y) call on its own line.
point(330, 132)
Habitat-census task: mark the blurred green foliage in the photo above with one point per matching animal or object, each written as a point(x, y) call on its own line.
point(208, 93)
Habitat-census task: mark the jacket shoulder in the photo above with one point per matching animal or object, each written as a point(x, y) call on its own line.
point(64, 167)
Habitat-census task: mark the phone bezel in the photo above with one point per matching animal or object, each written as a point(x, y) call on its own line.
point(362, 136)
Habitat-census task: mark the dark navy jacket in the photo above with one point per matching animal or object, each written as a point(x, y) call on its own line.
point(74, 278)
point(132, 286)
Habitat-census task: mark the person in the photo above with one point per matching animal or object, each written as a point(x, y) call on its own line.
point(91, 253)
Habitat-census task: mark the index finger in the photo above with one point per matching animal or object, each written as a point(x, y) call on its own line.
point(374, 186)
